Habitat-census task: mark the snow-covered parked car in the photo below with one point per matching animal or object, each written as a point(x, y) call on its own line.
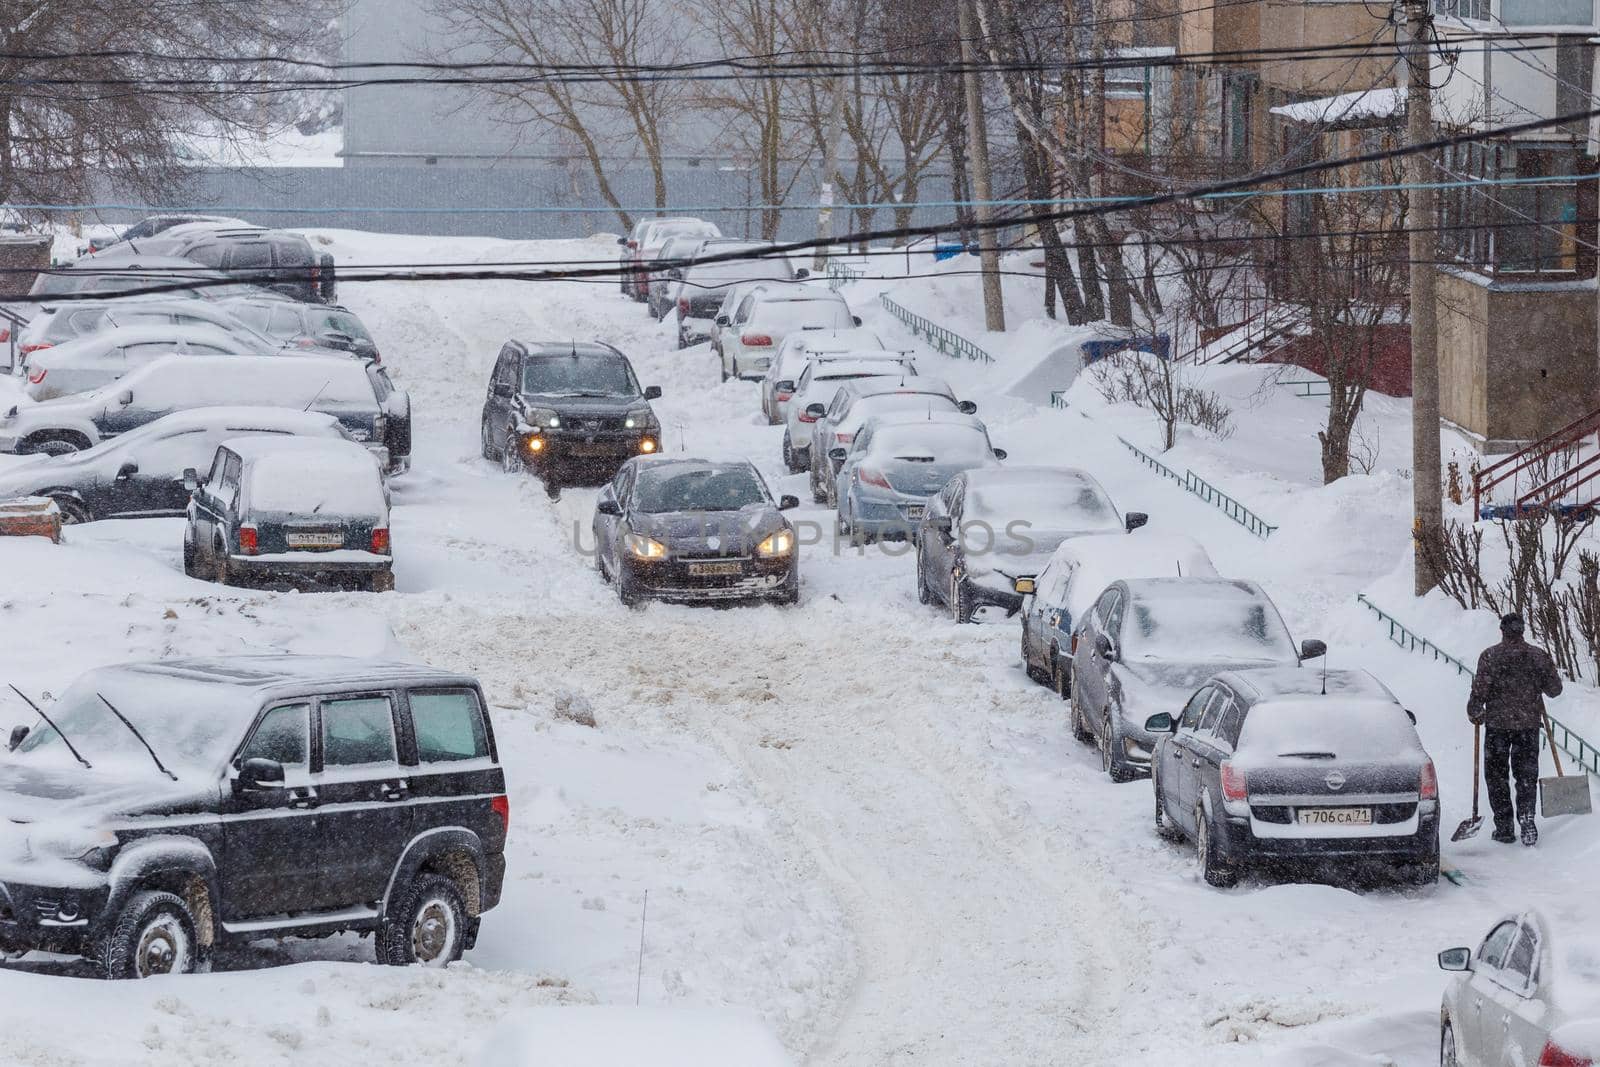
point(59, 323)
point(897, 463)
point(834, 423)
point(158, 810)
point(988, 528)
point(769, 314)
point(358, 395)
point(1272, 768)
point(1077, 572)
point(141, 473)
point(700, 287)
point(302, 325)
point(293, 509)
point(1518, 1001)
point(798, 349)
point(88, 362)
point(1149, 642)
point(692, 530)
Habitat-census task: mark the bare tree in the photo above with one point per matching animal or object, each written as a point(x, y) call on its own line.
point(611, 117)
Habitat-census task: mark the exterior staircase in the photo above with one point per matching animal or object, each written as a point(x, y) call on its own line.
point(1558, 474)
point(1256, 338)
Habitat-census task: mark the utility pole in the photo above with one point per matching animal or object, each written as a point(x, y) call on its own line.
point(1414, 19)
point(994, 312)
point(830, 167)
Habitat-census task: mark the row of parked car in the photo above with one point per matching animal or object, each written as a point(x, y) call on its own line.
point(260, 411)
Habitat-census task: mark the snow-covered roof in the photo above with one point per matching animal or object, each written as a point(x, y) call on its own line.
point(1274, 683)
point(1364, 108)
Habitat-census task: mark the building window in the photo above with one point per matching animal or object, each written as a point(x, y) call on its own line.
point(1546, 12)
point(1529, 226)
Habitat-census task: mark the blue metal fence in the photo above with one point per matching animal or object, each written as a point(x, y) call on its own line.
point(947, 341)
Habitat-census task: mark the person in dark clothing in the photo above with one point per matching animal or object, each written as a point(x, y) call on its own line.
point(1507, 700)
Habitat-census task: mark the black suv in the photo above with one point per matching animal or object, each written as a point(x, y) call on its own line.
point(159, 809)
point(568, 411)
point(278, 260)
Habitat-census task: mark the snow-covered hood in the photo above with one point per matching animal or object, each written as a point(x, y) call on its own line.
point(32, 793)
point(727, 533)
point(580, 406)
point(1014, 564)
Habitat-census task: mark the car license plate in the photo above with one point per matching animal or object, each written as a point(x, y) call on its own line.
point(315, 540)
point(915, 511)
point(1334, 816)
point(711, 570)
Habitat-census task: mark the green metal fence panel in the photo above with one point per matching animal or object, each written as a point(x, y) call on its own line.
point(1581, 751)
point(1058, 398)
point(1150, 461)
point(842, 274)
point(1308, 388)
point(946, 341)
point(1228, 505)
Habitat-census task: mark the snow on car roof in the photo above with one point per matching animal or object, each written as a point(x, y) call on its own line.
point(890, 384)
point(256, 672)
point(1030, 475)
point(240, 418)
point(835, 340)
point(301, 475)
point(1276, 683)
point(152, 333)
point(1193, 588)
point(841, 368)
point(1100, 559)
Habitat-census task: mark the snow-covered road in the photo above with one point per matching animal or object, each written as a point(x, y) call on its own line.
point(853, 817)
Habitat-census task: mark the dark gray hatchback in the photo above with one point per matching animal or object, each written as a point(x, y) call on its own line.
point(156, 810)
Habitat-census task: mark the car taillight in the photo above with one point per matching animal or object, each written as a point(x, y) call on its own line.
point(5, 334)
point(37, 376)
point(872, 477)
point(316, 273)
point(36, 346)
point(843, 438)
point(1233, 784)
point(501, 806)
point(683, 306)
point(1556, 1056)
point(1074, 644)
point(249, 540)
point(380, 540)
point(806, 416)
point(1430, 782)
point(756, 340)
point(782, 395)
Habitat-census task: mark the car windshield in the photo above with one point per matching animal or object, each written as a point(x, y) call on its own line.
point(723, 273)
point(1203, 625)
point(930, 442)
point(679, 488)
point(1045, 504)
point(339, 322)
point(174, 718)
point(579, 376)
point(1356, 730)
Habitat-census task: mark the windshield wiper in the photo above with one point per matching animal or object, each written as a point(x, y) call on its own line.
point(135, 731)
point(1308, 755)
point(52, 725)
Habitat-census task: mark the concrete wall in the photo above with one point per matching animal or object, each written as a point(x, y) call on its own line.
point(1516, 361)
point(1319, 24)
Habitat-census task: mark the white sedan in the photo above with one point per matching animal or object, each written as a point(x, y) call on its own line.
point(91, 361)
point(1515, 1003)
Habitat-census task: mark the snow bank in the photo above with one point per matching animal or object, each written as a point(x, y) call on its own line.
point(626, 1037)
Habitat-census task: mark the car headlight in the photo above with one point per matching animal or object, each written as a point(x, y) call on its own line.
point(642, 547)
point(91, 847)
point(644, 419)
point(778, 544)
point(539, 418)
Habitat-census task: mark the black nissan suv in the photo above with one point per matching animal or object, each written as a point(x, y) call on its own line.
point(158, 809)
point(571, 412)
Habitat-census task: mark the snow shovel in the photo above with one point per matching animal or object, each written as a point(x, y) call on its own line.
point(1470, 827)
point(1564, 794)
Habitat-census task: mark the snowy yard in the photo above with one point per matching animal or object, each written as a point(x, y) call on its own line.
point(853, 818)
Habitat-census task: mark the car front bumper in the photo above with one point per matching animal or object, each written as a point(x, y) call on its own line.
point(50, 918)
point(601, 453)
point(673, 580)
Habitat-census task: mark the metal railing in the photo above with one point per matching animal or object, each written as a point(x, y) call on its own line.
point(1314, 387)
point(1580, 750)
point(1205, 491)
point(949, 342)
point(1058, 398)
point(842, 274)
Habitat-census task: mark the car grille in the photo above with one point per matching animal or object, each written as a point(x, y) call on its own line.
point(593, 424)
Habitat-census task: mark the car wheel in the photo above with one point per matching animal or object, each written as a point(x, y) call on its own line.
point(1080, 727)
point(788, 456)
point(1165, 827)
point(625, 591)
point(72, 511)
point(600, 560)
point(819, 495)
point(511, 456)
point(189, 569)
point(429, 927)
point(220, 572)
point(53, 445)
point(153, 935)
point(486, 440)
point(722, 367)
point(1211, 868)
point(960, 601)
point(1110, 762)
point(1447, 1047)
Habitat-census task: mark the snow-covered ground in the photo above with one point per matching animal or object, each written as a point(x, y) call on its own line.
point(852, 818)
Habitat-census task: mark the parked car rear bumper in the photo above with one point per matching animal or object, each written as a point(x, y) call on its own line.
point(309, 564)
point(1240, 846)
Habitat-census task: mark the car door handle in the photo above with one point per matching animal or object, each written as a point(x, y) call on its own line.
point(395, 790)
point(1195, 762)
point(303, 798)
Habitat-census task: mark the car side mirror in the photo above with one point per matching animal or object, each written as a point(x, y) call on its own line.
point(18, 733)
point(1023, 586)
point(721, 320)
point(1455, 959)
point(652, 392)
point(257, 771)
point(784, 386)
point(499, 389)
point(1312, 648)
point(607, 506)
point(837, 453)
point(191, 479)
point(622, 242)
point(856, 319)
point(816, 411)
point(802, 273)
point(1410, 715)
point(1134, 520)
point(967, 407)
point(1103, 645)
point(126, 471)
point(1001, 453)
point(125, 397)
point(1160, 723)
point(788, 503)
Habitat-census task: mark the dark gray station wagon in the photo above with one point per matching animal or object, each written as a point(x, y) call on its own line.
point(156, 810)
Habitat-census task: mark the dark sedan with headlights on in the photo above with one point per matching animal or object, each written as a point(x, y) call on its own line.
point(694, 530)
point(571, 412)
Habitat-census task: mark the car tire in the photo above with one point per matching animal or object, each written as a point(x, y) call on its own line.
point(511, 460)
point(428, 927)
point(722, 367)
point(960, 602)
point(1212, 869)
point(819, 494)
point(153, 934)
point(54, 444)
point(1166, 829)
point(72, 510)
point(1080, 728)
point(1447, 1047)
point(788, 456)
point(600, 561)
point(1109, 762)
point(221, 573)
point(625, 592)
point(189, 568)
point(924, 594)
point(485, 440)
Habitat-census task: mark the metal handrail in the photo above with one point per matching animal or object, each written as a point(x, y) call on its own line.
point(1150, 461)
point(842, 274)
point(1205, 491)
point(1581, 751)
point(1310, 387)
point(1058, 398)
point(946, 341)
point(1487, 478)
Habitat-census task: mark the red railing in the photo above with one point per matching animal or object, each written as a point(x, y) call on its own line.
point(1548, 486)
